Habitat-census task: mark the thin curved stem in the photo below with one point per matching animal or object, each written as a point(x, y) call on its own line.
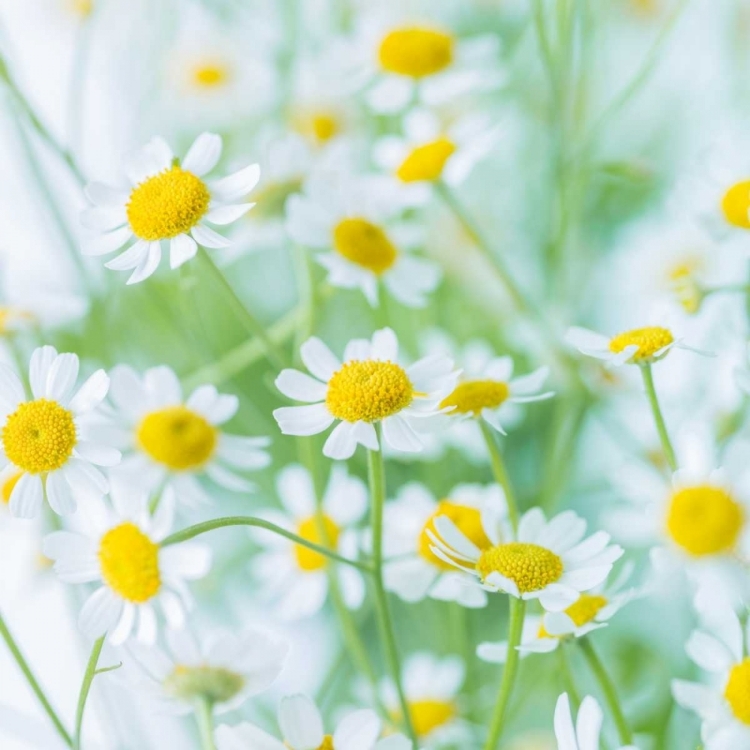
point(204, 715)
point(500, 472)
point(661, 425)
point(88, 678)
point(567, 676)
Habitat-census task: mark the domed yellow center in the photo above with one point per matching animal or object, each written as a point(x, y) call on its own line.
point(39, 436)
point(468, 520)
point(529, 566)
point(736, 205)
point(704, 520)
point(472, 396)
point(416, 52)
point(214, 684)
point(129, 563)
point(310, 530)
point(648, 340)
point(167, 204)
point(365, 244)
point(737, 691)
point(366, 390)
point(582, 612)
point(426, 162)
point(178, 438)
point(211, 75)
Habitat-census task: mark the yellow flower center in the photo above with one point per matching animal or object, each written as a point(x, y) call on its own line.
point(427, 715)
point(529, 566)
point(81, 8)
point(366, 390)
point(582, 612)
point(129, 563)
point(214, 684)
point(167, 204)
point(310, 529)
point(426, 162)
point(365, 244)
point(327, 743)
point(736, 204)
point(9, 485)
point(648, 340)
point(416, 52)
point(39, 436)
point(472, 396)
point(468, 520)
point(11, 315)
point(211, 75)
point(177, 437)
point(704, 520)
point(737, 691)
point(324, 126)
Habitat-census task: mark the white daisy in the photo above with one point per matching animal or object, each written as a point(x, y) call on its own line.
point(584, 735)
point(168, 440)
point(293, 575)
point(165, 200)
point(369, 388)
point(47, 445)
point(120, 550)
point(546, 560)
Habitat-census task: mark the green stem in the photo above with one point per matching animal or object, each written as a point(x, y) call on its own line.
point(515, 629)
point(661, 426)
point(500, 472)
point(88, 678)
point(376, 475)
point(608, 688)
point(567, 675)
point(33, 683)
point(204, 715)
point(219, 523)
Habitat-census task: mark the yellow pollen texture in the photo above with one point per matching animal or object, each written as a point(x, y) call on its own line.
point(468, 520)
point(210, 75)
point(365, 244)
point(426, 162)
point(416, 52)
point(737, 691)
point(704, 520)
point(178, 438)
point(167, 204)
point(648, 340)
point(472, 396)
point(39, 436)
point(9, 485)
point(129, 563)
point(529, 566)
point(736, 203)
point(367, 390)
point(310, 530)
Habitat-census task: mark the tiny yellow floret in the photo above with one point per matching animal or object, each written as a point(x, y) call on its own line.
point(737, 691)
point(472, 396)
point(310, 530)
point(426, 162)
point(365, 244)
point(529, 566)
point(736, 205)
point(129, 563)
point(648, 340)
point(416, 52)
point(468, 520)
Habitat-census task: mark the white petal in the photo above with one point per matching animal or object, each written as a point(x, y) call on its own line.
point(358, 731)
point(303, 420)
point(206, 237)
point(319, 359)
point(181, 249)
point(342, 442)
point(27, 497)
point(301, 723)
point(564, 732)
point(41, 361)
point(236, 185)
point(100, 613)
point(103, 244)
point(300, 387)
point(59, 494)
point(227, 214)
point(91, 393)
point(130, 258)
point(203, 155)
point(148, 264)
point(61, 377)
point(398, 433)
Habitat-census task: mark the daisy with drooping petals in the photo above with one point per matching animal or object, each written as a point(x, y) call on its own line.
point(167, 200)
point(46, 450)
point(170, 441)
point(120, 551)
point(368, 389)
point(302, 729)
point(414, 571)
point(546, 560)
point(584, 734)
point(295, 575)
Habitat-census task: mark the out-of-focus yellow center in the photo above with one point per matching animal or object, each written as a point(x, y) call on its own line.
point(426, 162)
point(427, 715)
point(648, 340)
point(683, 281)
point(416, 52)
point(468, 520)
point(529, 566)
point(472, 396)
point(737, 691)
point(82, 8)
point(11, 316)
point(327, 743)
point(9, 485)
point(214, 684)
point(736, 204)
point(364, 243)
point(211, 75)
point(582, 612)
point(310, 530)
point(129, 563)
point(704, 520)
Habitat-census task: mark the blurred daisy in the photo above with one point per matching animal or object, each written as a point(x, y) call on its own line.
point(120, 551)
point(584, 735)
point(47, 447)
point(412, 570)
point(546, 560)
point(369, 388)
point(168, 440)
point(349, 222)
point(302, 729)
point(295, 575)
point(166, 200)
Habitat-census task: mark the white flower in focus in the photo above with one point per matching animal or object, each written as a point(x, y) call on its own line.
point(585, 733)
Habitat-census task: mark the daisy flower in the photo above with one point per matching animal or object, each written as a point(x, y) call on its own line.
point(168, 440)
point(546, 560)
point(349, 222)
point(412, 570)
point(585, 733)
point(47, 446)
point(302, 729)
point(368, 389)
point(165, 200)
point(296, 575)
point(119, 550)
point(224, 669)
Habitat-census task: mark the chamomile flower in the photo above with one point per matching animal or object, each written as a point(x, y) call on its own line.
point(546, 560)
point(413, 570)
point(166, 200)
point(585, 733)
point(224, 669)
point(168, 440)
point(119, 550)
point(370, 388)
point(48, 449)
point(294, 575)
point(350, 223)
point(302, 729)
